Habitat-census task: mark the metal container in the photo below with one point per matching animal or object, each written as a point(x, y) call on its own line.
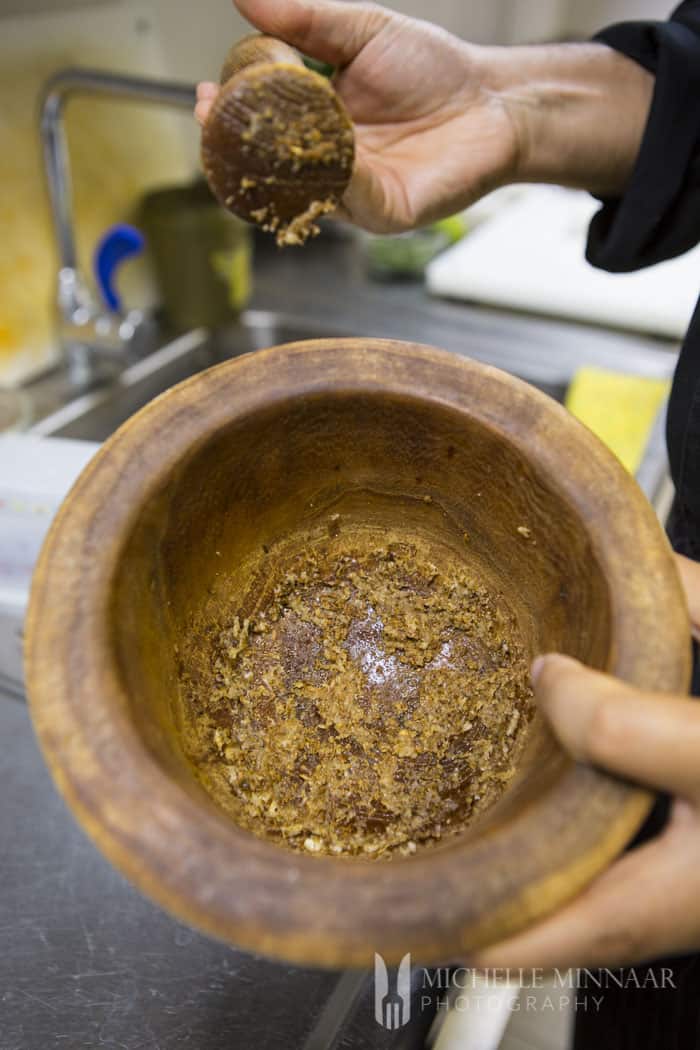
point(201, 256)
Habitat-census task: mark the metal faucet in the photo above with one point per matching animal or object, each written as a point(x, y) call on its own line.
point(86, 331)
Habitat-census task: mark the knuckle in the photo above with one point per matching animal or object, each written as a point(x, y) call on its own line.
point(374, 11)
point(374, 17)
point(372, 25)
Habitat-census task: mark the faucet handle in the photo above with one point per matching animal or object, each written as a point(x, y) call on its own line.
point(119, 243)
point(87, 331)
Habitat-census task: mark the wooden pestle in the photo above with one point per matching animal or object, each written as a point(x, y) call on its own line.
point(278, 145)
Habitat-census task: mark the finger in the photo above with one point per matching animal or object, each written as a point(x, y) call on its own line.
point(690, 578)
point(201, 110)
point(364, 201)
point(340, 214)
point(652, 738)
point(645, 906)
point(207, 90)
point(332, 30)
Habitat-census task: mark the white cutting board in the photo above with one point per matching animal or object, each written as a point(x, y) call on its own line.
point(530, 256)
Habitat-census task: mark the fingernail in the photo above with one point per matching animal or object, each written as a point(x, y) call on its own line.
point(536, 668)
point(551, 658)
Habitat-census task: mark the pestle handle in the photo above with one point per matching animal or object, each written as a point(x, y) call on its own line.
point(256, 49)
point(278, 145)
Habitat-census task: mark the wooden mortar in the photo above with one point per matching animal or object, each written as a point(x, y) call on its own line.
point(262, 447)
point(278, 144)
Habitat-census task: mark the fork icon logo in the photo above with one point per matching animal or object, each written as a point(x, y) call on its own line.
point(392, 1006)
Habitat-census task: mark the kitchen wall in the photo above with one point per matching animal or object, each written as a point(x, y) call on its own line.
point(523, 21)
point(117, 151)
point(501, 21)
point(584, 18)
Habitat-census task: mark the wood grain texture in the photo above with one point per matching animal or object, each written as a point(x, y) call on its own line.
point(238, 453)
point(278, 138)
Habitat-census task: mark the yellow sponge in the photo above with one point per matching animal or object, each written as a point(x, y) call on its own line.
point(619, 408)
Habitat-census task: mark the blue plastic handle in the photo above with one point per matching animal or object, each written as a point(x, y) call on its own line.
point(120, 242)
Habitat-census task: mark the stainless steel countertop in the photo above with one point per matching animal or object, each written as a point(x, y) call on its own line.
point(327, 283)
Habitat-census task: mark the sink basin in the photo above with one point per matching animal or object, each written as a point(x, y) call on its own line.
point(95, 415)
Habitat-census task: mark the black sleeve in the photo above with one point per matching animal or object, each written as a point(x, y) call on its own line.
point(658, 216)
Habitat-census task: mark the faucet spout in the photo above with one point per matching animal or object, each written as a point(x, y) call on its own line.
point(80, 319)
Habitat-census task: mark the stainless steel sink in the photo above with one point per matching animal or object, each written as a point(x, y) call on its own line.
point(97, 413)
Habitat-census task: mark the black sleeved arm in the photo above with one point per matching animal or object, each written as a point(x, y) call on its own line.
point(658, 215)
